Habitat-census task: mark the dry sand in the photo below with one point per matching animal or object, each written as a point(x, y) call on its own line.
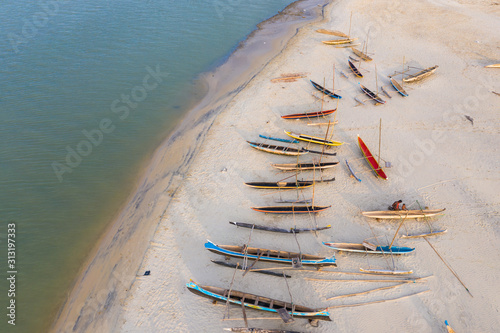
point(438, 157)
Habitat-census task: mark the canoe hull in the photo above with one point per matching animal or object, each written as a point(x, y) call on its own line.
point(314, 139)
point(401, 214)
point(219, 296)
point(360, 248)
point(309, 114)
point(290, 209)
point(304, 166)
point(286, 257)
point(371, 160)
point(325, 91)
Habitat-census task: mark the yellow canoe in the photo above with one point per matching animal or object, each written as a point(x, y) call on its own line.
point(339, 41)
point(313, 139)
point(493, 66)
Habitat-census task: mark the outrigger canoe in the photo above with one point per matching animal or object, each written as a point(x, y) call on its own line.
point(325, 91)
point(361, 54)
point(257, 302)
point(371, 160)
point(420, 75)
point(398, 87)
point(354, 69)
point(288, 185)
point(283, 257)
point(290, 209)
point(280, 150)
point(401, 214)
point(282, 230)
point(313, 139)
point(304, 166)
point(372, 95)
point(309, 114)
point(339, 41)
point(361, 248)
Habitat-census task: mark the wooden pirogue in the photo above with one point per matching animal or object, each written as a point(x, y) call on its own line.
point(371, 160)
point(273, 229)
point(361, 248)
point(257, 302)
point(339, 41)
point(309, 114)
point(288, 185)
point(280, 150)
point(313, 139)
point(283, 257)
point(401, 214)
point(304, 166)
point(420, 75)
point(354, 69)
point(324, 91)
point(371, 94)
point(360, 54)
point(398, 87)
point(290, 209)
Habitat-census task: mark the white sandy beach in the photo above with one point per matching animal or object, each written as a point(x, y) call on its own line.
point(438, 157)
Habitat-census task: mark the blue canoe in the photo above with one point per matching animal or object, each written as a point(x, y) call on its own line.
point(361, 248)
point(257, 302)
point(283, 257)
point(325, 91)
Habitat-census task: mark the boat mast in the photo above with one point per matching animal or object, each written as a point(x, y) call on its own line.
point(379, 142)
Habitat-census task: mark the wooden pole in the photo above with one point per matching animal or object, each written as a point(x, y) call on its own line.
point(374, 302)
point(400, 225)
point(362, 280)
point(379, 141)
point(229, 292)
point(365, 292)
point(444, 261)
point(350, 21)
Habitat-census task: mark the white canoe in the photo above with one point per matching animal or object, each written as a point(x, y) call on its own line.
point(401, 214)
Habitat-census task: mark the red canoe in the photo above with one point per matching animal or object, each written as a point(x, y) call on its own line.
point(308, 115)
point(371, 160)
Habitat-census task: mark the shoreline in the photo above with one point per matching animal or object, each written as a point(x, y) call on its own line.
point(100, 288)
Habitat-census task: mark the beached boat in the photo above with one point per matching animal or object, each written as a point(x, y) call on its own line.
point(240, 267)
point(371, 160)
point(371, 94)
point(448, 327)
point(277, 139)
point(420, 75)
point(332, 32)
point(398, 87)
point(493, 66)
point(304, 166)
point(361, 248)
point(352, 171)
point(290, 209)
point(255, 330)
point(354, 69)
point(360, 54)
point(288, 185)
point(257, 302)
point(313, 139)
point(339, 41)
point(283, 257)
point(309, 114)
point(325, 91)
point(403, 214)
point(282, 185)
point(280, 150)
point(282, 230)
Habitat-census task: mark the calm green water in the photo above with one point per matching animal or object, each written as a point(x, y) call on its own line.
point(67, 68)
